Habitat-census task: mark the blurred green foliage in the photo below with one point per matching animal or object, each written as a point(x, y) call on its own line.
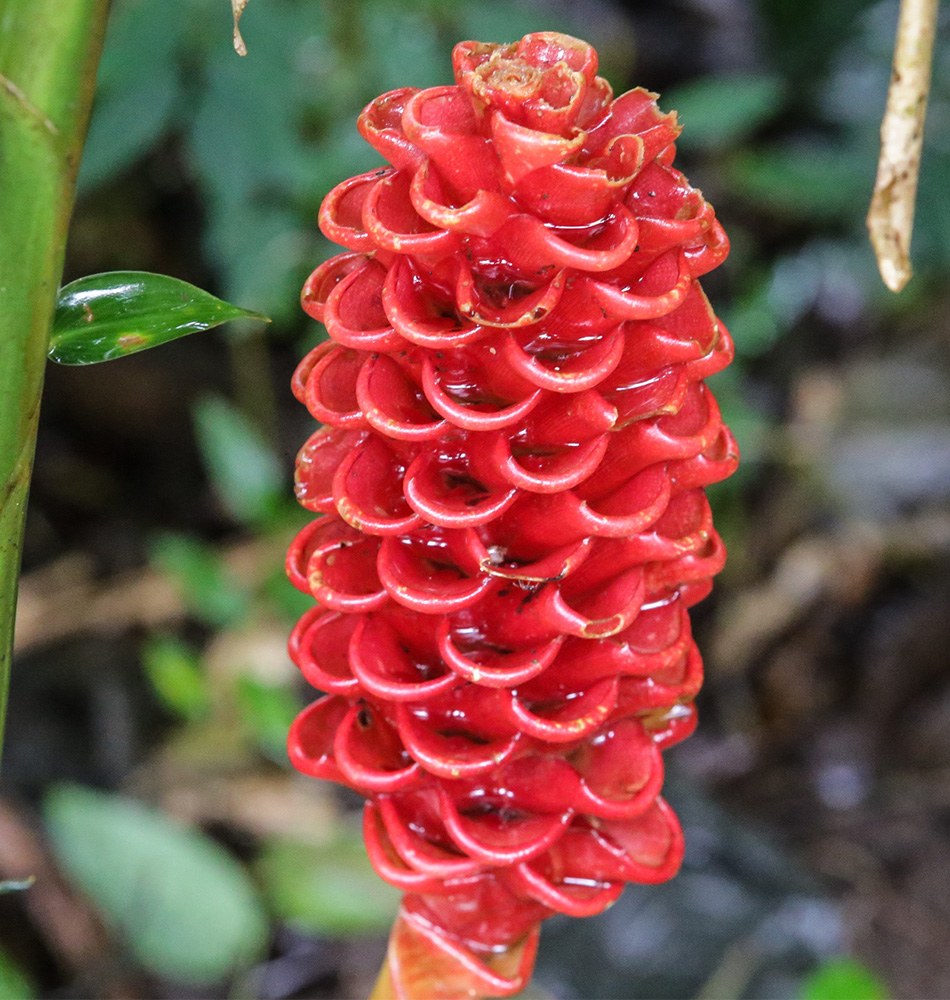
point(262, 139)
point(843, 979)
point(245, 472)
point(326, 889)
point(211, 593)
point(267, 710)
point(718, 112)
point(175, 674)
point(184, 906)
point(265, 137)
point(790, 155)
point(15, 984)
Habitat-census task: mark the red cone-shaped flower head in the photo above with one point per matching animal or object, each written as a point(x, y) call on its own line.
point(515, 441)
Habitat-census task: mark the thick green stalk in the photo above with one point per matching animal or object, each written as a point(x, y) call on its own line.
point(49, 50)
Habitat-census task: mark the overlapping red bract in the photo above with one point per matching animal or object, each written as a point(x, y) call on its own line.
point(516, 439)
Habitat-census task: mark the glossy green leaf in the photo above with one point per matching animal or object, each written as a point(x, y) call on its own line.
point(329, 889)
point(246, 473)
point(843, 979)
point(15, 984)
point(181, 903)
point(111, 315)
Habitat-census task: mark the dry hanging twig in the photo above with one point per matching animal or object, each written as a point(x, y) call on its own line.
point(891, 217)
point(237, 9)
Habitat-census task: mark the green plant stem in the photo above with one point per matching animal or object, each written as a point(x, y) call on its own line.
point(49, 50)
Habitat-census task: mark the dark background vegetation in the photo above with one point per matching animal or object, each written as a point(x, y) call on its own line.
point(145, 782)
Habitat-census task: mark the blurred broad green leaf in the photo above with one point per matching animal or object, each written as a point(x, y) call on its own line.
point(184, 906)
point(176, 676)
point(717, 112)
point(329, 889)
point(209, 591)
point(245, 472)
point(267, 710)
point(15, 984)
point(107, 316)
point(138, 86)
point(812, 183)
point(843, 979)
point(126, 125)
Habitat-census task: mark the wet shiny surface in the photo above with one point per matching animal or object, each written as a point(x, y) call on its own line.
point(515, 520)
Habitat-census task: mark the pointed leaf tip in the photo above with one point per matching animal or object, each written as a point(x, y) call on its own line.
point(112, 315)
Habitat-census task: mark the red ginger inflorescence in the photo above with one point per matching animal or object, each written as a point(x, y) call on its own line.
point(511, 469)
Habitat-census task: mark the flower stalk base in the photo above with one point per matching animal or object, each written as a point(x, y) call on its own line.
point(424, 964)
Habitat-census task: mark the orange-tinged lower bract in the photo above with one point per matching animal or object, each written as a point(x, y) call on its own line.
point(516, 438)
